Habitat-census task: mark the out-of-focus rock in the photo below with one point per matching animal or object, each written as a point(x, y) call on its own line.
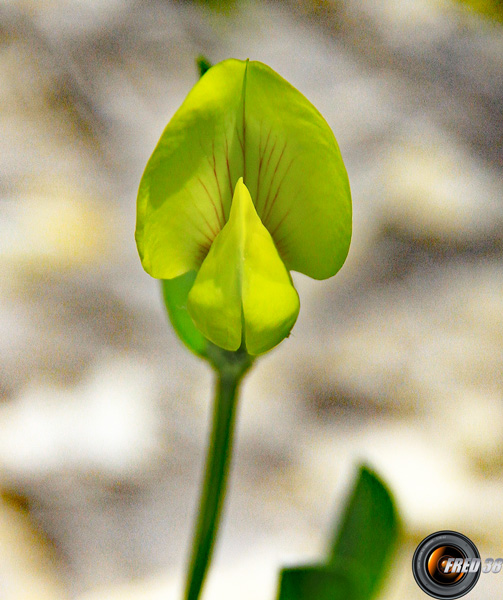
point(424, 339)
point(107, 426)
point(52, 227)
point(152, 589)
point(27, 567)
point(436, 193)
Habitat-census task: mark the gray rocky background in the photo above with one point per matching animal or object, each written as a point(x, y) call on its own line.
point(396, 361)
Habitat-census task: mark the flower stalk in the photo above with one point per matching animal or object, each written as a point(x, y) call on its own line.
point(230, 368)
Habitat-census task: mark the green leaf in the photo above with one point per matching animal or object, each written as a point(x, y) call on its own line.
point(316, 583)
point(243, 120)
point(367, 534)
point(175, 292)
point(243, 290)
point(362, 547)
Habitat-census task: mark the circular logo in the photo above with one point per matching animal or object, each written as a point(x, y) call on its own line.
point(446, 565)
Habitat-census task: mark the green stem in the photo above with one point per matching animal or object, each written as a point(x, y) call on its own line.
point(215, 478)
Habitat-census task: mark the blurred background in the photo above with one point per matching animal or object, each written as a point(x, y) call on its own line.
point(397, 361)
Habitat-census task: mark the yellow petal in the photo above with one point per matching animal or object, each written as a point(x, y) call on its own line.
point(243, 291)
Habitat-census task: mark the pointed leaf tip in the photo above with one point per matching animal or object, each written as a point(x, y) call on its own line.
point(203, 64)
